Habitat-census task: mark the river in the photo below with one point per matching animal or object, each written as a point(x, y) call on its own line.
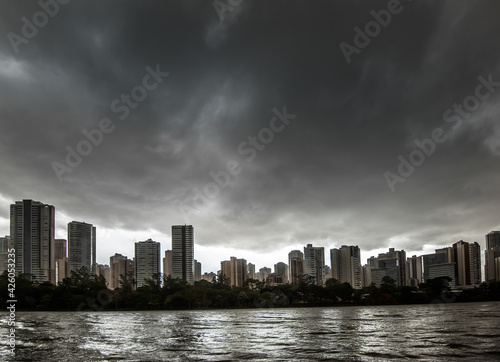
point(469, 331)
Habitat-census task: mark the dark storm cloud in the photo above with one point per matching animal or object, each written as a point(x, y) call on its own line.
point(320, 180)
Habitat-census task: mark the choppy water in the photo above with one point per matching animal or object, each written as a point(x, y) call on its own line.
point(426, 332)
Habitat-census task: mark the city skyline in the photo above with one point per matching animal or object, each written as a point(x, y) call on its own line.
point(205, 269)
point(47, 260)
point(267, 137)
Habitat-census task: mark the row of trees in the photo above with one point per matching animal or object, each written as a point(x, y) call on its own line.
point(85, 291)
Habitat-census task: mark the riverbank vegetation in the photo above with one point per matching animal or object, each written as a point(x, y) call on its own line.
point(84, 291)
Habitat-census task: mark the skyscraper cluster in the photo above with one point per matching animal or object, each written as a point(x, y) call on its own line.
point(177, 263)
point(38, 253)
point(46, 259)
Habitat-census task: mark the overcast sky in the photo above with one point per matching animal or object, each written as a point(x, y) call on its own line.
point(318, 172)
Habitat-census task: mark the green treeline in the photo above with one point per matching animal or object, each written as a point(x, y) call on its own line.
point(85, 291)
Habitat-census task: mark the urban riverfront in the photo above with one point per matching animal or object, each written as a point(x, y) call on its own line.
point(444, 331)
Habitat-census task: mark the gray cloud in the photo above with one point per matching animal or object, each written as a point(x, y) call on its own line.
point(320, 180)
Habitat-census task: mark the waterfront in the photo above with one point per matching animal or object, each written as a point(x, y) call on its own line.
point(425, 332)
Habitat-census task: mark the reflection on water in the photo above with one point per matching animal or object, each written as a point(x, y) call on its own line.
point(425, 332)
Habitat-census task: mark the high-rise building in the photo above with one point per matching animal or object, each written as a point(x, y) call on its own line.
point(167, 263)
point(197, 271)
point(346, 265)
point(444, 270)
point(183, 252)
point(492, 256)
point(493, 239)
point(264, 274)
point(328, 272)
point(314, 263)
point(366, 276)
point(81, 246)
point(462, 260)
point(225, 271)
point(281, 269)
point(475, 263)
point(61, 257)
point(413, 271)
point(32, 231)
point(468, 263)
point(391, 264)
point(119, 266)
point(60, 248)
point(296, 266)
point(497, 269)
point(105, 271)
point(251, 270)
point(235, 270)
point(239, 266)
point(147, 261)
point(440, 264)
point(5, 246)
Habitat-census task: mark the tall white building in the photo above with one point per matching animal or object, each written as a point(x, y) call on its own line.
point(32, 232)
point(147, 261)
point(183, 252)
point(346, 265)
point(81, 246)
point(314, 263)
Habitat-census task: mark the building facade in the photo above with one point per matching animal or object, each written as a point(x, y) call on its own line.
point(147, 261)
point(264, 274)
point(414, 271)
point(467, 258)
point(492, 256)
point(251, 270)
point(296, 266)
point(105, 271)
point(391, 264)
point(32, 232)
point(167, 264)
point(81, 246)
point(183, 252)
point(314, 264)
point(120, 267)
point(5, 246)
point(62, 263)
point(197, 271)
point(235, 271)
point(346, 265)
point(281, 269)
point(440, 264)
